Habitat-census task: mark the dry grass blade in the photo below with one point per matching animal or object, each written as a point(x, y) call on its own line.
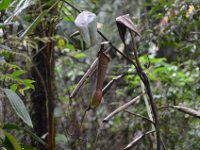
point(88, 73)
point(137, 139)
point(124, 22)
point(134, 142)
point(116, 111)
point(106, 88)
point(188, 111)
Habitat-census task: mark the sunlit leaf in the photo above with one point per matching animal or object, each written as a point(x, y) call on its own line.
point(4, 4)
point(79, 55)
point(69, 18)
point(61, 43)
point(18, 73)
point(28, 81)
point(10, 141)
point(70, 47)
point(13, 87)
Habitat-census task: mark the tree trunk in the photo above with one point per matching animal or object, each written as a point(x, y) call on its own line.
point(43, 97)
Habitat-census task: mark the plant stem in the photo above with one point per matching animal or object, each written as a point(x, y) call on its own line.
point(146, 83)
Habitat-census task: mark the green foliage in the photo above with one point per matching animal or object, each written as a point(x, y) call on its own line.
point(10, 142)
point(4, 4)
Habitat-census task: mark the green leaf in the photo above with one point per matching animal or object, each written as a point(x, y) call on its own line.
point(79, 55)
point(69, 18)
point(18, 73)
point(4, 4)
point(70, 47)
point(10, 141)
point(13, 87)
point(33, 135)
point(28, 81)
point(18, 105)
point(61, 43)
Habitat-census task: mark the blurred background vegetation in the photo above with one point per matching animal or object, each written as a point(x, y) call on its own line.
point(169, 53)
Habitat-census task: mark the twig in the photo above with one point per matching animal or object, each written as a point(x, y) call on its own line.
point(138, 115)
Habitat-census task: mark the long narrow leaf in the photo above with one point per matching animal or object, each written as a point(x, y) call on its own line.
point(188, 111)
point(116, 111)
point(18, 106)
point(109, 84)
point(12, 142)
point(88, 73)
point(137, 139)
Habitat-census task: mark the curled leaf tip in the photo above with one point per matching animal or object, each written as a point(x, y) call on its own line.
point(123, 22)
